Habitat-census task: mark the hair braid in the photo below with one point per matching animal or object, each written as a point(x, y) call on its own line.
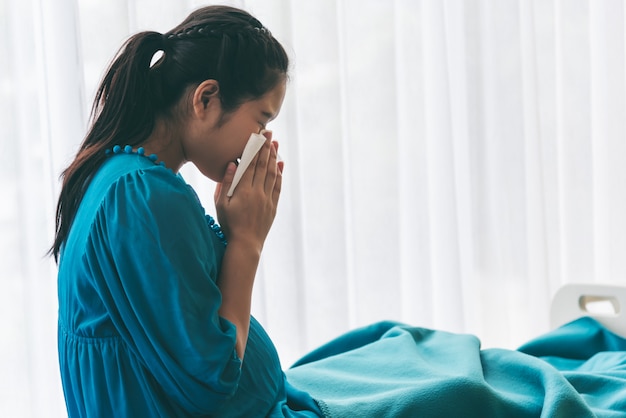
point(210, 30)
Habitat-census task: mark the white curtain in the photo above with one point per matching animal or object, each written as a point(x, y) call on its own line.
point(449, 164)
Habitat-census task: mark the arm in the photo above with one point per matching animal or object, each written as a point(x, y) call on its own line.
point(236, 281)
point(246, 219)
point(155, 268)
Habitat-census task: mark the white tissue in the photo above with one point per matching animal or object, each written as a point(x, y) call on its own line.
point(255, 142)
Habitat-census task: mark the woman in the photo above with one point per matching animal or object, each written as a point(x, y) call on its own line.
point(154, 303)
point(154, 297)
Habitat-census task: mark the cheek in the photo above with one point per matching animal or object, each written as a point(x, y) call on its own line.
point(239, 143)
point(212, 159)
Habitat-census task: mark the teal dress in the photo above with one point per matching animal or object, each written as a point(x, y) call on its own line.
point(139, 334)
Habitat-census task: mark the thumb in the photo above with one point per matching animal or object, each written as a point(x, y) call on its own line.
point(218, 191)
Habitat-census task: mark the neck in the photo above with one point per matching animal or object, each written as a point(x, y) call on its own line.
point(166, 144)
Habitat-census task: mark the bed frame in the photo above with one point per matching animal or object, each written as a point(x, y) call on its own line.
point(604, 302)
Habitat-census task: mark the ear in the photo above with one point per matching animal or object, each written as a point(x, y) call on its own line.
point(205, 97)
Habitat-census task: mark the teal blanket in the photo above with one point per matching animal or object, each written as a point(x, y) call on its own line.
point(394, 370)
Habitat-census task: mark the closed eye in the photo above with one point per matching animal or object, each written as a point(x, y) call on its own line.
point(267, 117)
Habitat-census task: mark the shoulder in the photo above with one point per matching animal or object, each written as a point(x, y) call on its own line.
point(132, 172)
point(129, 193)
point(148, 193)
point(127, 180)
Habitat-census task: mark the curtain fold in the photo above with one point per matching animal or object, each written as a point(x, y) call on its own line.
point(449, 164)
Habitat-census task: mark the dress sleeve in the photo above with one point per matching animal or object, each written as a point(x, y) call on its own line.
point(159, 266)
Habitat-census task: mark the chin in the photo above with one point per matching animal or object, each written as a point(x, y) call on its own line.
point(211, 174)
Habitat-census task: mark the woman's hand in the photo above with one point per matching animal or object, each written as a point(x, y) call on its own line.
point(248, 215)
point(246, 219)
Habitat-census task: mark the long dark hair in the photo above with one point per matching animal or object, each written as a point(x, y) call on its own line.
point(215, 42)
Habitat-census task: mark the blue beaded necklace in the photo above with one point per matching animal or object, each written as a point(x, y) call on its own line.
point(129, 150)
point(213, 225)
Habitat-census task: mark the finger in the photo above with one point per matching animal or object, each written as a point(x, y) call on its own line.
point(247, 177)
point(267, 134)
point(223, 187)
point(278, 157)
point(260, 168)
point(272, 169)
point(278, 184)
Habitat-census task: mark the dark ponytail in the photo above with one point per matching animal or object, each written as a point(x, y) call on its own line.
point(215, 42)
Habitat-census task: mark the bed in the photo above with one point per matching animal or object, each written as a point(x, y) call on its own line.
point(578, 369)
point(604, 302)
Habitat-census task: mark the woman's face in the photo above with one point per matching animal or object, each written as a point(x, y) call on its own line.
point(216, 141)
